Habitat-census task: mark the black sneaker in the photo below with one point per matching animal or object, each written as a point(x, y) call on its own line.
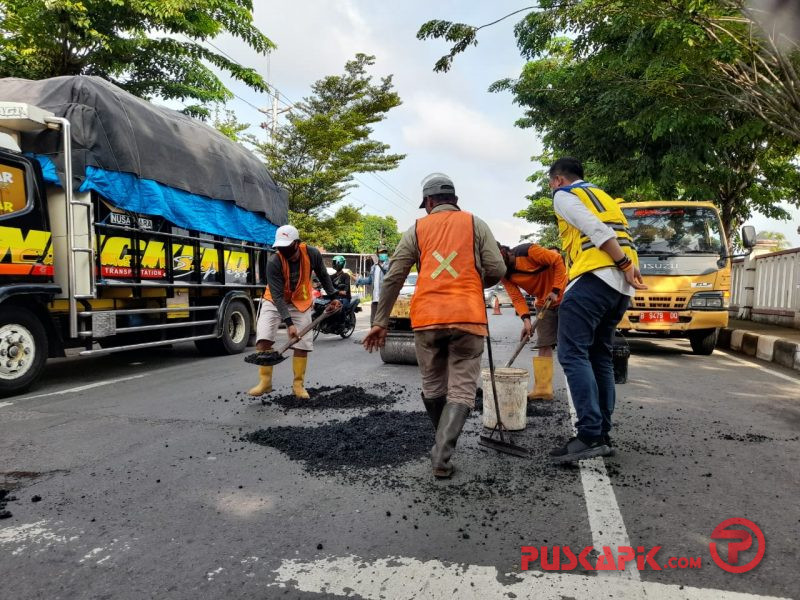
point(607, 441)
point(580, 449)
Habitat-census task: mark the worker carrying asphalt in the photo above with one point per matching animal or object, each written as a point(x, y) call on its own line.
point(543, 275)
point(288, 299)
point(457, 257)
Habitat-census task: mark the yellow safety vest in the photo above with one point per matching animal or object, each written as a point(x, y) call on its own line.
point(582, 255)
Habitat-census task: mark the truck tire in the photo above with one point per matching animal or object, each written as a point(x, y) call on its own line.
point(703, 341)
point(23, 349)
point(236, 325)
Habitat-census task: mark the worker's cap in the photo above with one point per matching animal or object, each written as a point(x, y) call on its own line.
point(436, 183)
point(285, 235)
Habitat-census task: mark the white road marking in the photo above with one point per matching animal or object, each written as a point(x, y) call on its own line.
point(85, 387)
point(399, 577)
point(729, 356)
point(33, 537)
point(2, 404)
point(605, 518)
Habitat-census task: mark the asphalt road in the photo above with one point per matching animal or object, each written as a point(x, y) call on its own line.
point(148, 491)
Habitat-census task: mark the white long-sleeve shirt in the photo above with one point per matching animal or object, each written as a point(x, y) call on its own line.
point(570, 208)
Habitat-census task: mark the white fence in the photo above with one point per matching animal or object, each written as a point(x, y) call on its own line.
point(765, 287)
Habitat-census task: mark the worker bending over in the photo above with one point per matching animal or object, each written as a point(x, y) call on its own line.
point(542, 274)
point(457, 257)
point(288, 300)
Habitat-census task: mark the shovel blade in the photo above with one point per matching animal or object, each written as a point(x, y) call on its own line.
point(504, 447)
point(264, 359)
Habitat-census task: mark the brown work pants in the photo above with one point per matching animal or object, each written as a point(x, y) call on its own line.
point(450, 363)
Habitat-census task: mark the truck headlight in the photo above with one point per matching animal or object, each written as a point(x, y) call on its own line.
point(709, 301)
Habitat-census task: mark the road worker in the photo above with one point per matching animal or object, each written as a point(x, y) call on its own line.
point(457, 257)
point(287, 299)
point(603, 271)
point(542, 274)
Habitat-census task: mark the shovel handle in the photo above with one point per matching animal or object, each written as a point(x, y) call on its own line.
point(524, 340)
point(325, 314)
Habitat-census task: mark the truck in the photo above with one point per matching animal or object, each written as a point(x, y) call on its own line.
point(685, 262)
point(123, 226)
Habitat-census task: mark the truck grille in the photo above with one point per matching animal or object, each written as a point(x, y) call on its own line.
point(647, 302)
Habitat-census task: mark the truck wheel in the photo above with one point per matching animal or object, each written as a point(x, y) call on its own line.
point(703, 341)
point(235, 332)
point(23, 349)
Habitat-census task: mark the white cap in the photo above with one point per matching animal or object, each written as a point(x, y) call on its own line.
point(285, 235)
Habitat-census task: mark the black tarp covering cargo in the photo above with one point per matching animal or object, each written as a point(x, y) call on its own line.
point(116, 131)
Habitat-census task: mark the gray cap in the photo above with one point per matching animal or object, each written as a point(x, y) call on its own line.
point(436, 183)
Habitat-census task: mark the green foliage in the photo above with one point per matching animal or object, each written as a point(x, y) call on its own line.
point(148, 47)
point(636, 91)
point(779, 239)
point(227, 124)
point(366, 234)
point(327, 139)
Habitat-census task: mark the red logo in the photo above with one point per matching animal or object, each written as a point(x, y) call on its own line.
point(740, 540)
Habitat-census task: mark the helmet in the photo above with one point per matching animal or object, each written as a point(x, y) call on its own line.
point(338, 262)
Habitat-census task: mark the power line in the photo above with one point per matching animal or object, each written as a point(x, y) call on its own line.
point(382, 196)
point(391, 187)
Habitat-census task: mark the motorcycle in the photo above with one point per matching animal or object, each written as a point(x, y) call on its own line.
point(343, 323)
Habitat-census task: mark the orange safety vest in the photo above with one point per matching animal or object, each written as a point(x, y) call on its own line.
point(449, 286)
point(301, 295)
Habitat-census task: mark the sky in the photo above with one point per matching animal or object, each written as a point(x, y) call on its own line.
point(448, 122)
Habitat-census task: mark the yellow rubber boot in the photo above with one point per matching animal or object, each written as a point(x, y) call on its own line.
point(299, 366)
point(542, 378)
point(264, 385)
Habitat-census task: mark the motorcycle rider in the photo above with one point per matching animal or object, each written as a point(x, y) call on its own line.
point(341, 281)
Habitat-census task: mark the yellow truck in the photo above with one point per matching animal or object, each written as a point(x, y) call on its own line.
point(684, 260)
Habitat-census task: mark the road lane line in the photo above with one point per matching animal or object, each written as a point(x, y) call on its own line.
point(85, 387)
point(401, 577)
point(605, 518)
point(2, 404)
point(758, 366)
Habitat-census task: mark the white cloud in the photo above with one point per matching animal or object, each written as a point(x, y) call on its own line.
point(446, 126)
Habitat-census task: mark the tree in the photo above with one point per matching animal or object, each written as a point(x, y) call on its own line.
point(227, 124)
point(365, 235)
point(629, 93)
point(777, 238)
point(327, 139)
point(151, 48)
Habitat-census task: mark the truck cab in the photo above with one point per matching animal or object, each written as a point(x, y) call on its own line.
point(683, 258)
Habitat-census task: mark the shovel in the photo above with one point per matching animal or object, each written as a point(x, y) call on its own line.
point(504, 443)
point(524, 340)
point(273, 357)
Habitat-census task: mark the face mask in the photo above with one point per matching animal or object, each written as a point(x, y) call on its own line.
point(287, 252)
point(383, 257)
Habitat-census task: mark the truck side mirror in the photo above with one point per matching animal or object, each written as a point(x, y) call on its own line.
point(748, 236)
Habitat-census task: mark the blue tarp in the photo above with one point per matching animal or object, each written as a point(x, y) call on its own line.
point(189, 211)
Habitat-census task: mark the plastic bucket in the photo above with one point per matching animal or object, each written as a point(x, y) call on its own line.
point(620, 353)
point(512, 397)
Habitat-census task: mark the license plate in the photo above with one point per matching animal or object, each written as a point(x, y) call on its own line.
point(659, 316)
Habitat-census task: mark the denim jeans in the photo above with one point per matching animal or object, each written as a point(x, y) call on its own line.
point(588, 316)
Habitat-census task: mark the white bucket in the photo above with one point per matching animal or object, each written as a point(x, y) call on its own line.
point(512, 397)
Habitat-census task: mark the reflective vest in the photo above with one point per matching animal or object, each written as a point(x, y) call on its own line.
point(581, 254)
point(449, 287)
point(301, 295)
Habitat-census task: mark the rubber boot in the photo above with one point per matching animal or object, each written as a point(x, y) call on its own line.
point(451, 423)
point(299, 366)
point(434, 406)
point(264, 385)
point(542, 378)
